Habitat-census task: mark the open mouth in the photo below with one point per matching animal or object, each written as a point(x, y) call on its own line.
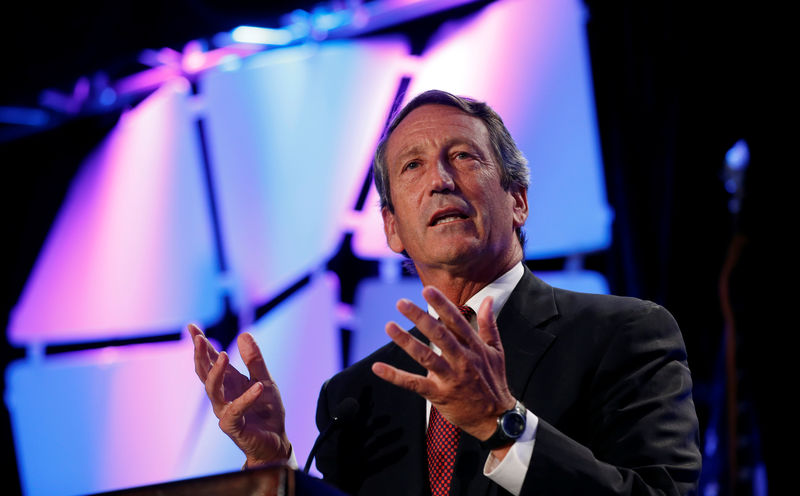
point(447, 217)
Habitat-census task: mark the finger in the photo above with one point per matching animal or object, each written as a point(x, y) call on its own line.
point(252, 357)
point(202, 362)
point(207, 346)
point(211, 352)
point(214, 383)
point(430, 327)
point(487, 325)
point(417, 350)
point(406, 380)
point(451, 316)
point(194, 330)
point(232, 420)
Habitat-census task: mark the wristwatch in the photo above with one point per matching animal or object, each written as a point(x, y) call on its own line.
point(510, 426)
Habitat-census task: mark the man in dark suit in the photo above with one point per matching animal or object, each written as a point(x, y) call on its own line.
point(563, 393)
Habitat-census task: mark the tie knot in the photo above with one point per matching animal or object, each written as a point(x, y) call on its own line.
point(466, 311)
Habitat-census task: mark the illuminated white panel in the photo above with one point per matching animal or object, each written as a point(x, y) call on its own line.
point(374, 306)
point(301, 346)
point(291, 133)
point(131, 250)
point(101, 420)
point(529, 61)
point(583, 281)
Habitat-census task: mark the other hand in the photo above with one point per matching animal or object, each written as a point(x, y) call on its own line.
point(250, 410)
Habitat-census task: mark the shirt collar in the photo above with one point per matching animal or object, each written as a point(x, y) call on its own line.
point(500, 289)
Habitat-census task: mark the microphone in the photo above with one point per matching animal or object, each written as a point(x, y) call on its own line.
point(344, 412)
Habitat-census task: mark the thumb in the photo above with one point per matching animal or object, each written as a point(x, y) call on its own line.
point(487, 325)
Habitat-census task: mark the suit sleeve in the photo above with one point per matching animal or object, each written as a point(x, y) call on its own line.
point(336, 460)
point(641, 433)
point(326, 456)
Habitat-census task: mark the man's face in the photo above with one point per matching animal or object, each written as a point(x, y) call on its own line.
point(450, 209)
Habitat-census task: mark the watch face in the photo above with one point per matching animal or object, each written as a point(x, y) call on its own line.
point(513, 424)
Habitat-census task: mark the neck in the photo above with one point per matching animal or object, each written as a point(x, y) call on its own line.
point(460, 282)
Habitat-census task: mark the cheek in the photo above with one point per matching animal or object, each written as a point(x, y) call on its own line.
point(402, 190)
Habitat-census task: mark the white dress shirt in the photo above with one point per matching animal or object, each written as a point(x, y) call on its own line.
point(510, 472)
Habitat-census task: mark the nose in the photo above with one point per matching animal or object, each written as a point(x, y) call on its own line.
point(442, 178)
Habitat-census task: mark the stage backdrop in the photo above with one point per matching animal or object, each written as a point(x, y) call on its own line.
point(270, 152)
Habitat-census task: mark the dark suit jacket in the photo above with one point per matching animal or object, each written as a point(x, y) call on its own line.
point(607, 377)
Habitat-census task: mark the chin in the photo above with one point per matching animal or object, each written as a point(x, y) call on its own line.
point(459, 255)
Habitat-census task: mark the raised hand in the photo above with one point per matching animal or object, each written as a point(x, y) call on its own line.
point(467, 383)
point(250, 410)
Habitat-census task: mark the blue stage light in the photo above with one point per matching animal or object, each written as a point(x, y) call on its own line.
point(738, 156)
point(24, 116)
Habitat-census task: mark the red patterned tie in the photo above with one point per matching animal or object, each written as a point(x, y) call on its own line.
point(442, 443)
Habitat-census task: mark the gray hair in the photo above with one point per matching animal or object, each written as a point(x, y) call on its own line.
point(513, 165)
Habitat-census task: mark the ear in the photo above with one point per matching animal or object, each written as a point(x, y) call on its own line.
point(390, 229)
point(520, 205)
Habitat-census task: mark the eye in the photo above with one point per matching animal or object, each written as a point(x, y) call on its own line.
point(462, 155)
point(411, 165)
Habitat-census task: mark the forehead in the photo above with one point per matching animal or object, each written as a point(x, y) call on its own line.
point(435, 125)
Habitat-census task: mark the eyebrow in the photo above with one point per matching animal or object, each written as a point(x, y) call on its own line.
point(417, 149)
point(408, 152)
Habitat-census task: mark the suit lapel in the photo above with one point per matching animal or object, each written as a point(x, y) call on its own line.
point(521, 322)
point(523, 330)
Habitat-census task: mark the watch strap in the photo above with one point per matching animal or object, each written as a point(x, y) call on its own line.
point(501, 438)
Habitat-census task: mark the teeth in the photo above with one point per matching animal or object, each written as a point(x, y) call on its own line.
point(446, 219)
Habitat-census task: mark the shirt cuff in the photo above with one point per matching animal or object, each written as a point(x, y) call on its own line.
point(510, 472)
point(292, 461)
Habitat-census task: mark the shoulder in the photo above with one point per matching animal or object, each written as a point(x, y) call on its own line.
point(627, 337)
point(616, 311)
point(593, 325)
point(617, 322)
point(556, 310)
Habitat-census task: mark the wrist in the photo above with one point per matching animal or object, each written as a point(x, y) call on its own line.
point(500, 453)
point(282, 455)
point(488, 425)
point(509, 426)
